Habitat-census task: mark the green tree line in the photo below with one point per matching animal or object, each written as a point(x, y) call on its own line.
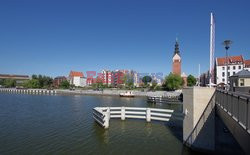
point(8, 83)
point(39, 81)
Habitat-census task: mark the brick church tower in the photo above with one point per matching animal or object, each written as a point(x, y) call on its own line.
point(176, 67)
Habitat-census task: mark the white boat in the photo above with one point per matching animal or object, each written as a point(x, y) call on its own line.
point(127, 94)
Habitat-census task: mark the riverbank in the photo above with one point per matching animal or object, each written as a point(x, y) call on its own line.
point(92, 92)
point(117, 92)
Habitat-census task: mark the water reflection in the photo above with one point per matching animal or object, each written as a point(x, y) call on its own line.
point(43, 124)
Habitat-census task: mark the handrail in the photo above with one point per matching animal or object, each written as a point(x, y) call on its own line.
point(237, 107)
point(236, 94)
point(202, 115)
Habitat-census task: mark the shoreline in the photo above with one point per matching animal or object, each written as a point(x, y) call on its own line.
point(105, 92)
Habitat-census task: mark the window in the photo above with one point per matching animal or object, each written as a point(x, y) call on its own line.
point(223, 74)
point(228, 67)
point(233, 73)
point(239, 67)
point(234, 67)
point(228, 73)
point(241, 82)
point(223, 80)
point(223, 68)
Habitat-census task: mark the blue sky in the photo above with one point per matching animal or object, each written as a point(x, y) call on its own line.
point(53, 37)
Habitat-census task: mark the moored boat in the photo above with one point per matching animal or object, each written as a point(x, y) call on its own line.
point(127, 94)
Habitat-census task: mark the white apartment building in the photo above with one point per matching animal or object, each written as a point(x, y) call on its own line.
point(235, 64)
point(77, 79)
point(136, 79)
point(107, 77)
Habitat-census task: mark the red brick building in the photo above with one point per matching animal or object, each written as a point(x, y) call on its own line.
point(176, 67)
point(57, 81)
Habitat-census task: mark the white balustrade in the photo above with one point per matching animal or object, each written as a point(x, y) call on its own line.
point(102, 115)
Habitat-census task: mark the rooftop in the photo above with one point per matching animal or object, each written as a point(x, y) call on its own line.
point(74, 73)
point(13, 76)
point(242, 73)
point(231, 59)
point(60, 77)
point(247, 63)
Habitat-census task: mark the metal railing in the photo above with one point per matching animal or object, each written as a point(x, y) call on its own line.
point(160, 99)
point(236, 105)
point(102, 115)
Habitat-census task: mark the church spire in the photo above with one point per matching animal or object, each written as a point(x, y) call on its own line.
point(176, 50)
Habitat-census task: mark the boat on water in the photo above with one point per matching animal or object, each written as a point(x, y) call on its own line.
point(127, 94)
point(165, 99)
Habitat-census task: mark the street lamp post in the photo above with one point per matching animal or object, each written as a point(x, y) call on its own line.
point(227, 44)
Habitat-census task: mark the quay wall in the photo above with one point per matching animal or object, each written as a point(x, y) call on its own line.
point(117, 92)
point(90, 92)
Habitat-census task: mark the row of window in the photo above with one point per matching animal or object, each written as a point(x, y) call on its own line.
point(242, 82)
point(228, 73)
point(228, 67)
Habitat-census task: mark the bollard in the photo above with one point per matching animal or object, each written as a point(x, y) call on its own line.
point(122, 113)
point(148, 115)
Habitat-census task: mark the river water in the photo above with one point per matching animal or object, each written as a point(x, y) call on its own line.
point(63, 124)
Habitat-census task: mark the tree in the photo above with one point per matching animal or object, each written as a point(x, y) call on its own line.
point(99, 82)
point(9, 83)
point(44, 81)
point(153, 86)
point(33, 83)
point(2, 82)
point(64, 84)
point(146, 79)
point(173, 82)
point(47, 81)
point(128, 81)
point(34, 76)
point(124, 79)
point(191, 81)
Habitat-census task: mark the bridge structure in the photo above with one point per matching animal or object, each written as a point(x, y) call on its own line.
point(201, 105)
point(102, 115)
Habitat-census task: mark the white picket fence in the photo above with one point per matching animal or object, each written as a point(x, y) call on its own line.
point(102, 115)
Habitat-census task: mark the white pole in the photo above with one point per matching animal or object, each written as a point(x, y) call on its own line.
point(199, 75)
point(212, 47)
point(210, 63)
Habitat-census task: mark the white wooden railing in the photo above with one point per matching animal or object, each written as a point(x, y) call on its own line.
point(102, 115)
